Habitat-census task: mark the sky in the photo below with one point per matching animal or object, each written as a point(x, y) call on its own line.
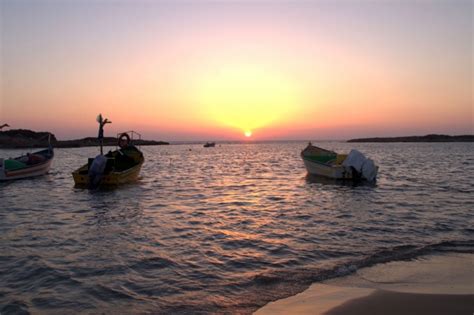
point(222, 70)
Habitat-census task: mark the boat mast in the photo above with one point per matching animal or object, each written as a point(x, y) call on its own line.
point(102, 123)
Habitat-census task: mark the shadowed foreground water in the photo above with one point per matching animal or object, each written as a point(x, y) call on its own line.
point(224, 229)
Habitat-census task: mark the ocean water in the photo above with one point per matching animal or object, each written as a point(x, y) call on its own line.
point(223, 230)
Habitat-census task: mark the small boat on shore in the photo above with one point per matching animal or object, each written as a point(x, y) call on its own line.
point(117, 167)
point(209, 144)
point(28, 165)
point(329, 164)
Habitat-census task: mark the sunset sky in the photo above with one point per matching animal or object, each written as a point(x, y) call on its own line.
point(213, 70)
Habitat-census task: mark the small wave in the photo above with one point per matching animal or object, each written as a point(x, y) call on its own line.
point(405, 252)
point(152, 263)
point(15, 307)
point(276, 282)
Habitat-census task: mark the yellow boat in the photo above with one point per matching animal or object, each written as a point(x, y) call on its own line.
point(114, 168)
point(122, 166)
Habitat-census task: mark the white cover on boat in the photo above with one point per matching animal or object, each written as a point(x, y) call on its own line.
point(355, 159)
point(361, 164)
point(369, 170)
point(98, 165)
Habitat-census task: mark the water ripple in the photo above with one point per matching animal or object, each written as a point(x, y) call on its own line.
point(222, 230)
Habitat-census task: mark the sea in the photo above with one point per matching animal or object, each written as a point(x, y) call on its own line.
point(223, 230)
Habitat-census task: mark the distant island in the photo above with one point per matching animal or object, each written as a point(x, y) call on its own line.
point(23, 138)
point(427, 138)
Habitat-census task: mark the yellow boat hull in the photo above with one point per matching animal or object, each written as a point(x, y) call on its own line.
point(112, 179)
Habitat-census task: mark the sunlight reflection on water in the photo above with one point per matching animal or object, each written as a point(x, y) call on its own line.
point(216, 230)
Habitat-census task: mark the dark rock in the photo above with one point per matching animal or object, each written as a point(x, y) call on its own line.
point(427, 138)
point(22, 138)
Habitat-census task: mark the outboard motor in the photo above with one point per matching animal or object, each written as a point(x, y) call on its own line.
point(356, 175)
point(360, 166)
point(96, 171)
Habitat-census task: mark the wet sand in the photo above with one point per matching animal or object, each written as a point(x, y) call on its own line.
point(442, 284)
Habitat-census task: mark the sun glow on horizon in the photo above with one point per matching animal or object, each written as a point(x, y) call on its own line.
point(247, 97)
point(217, 70)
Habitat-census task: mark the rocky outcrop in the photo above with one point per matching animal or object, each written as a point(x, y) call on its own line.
point(427, 138)
point(23, 138)
point(107, 141)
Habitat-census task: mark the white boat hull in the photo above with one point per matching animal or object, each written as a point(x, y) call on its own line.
point(328, 171)
point(32, 171)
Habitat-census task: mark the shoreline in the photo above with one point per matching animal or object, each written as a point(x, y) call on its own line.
point(174, 143)
point(432, 284)
point(25, 138)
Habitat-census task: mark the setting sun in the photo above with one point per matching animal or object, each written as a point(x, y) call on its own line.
point(215, 70)
point(246, 97)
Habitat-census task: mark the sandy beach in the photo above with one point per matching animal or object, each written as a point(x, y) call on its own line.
point(442, 284)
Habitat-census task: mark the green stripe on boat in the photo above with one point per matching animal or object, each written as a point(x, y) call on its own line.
point(12, 165)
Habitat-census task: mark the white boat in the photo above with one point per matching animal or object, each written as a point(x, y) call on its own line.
point(29, 165)
point(329, 164)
